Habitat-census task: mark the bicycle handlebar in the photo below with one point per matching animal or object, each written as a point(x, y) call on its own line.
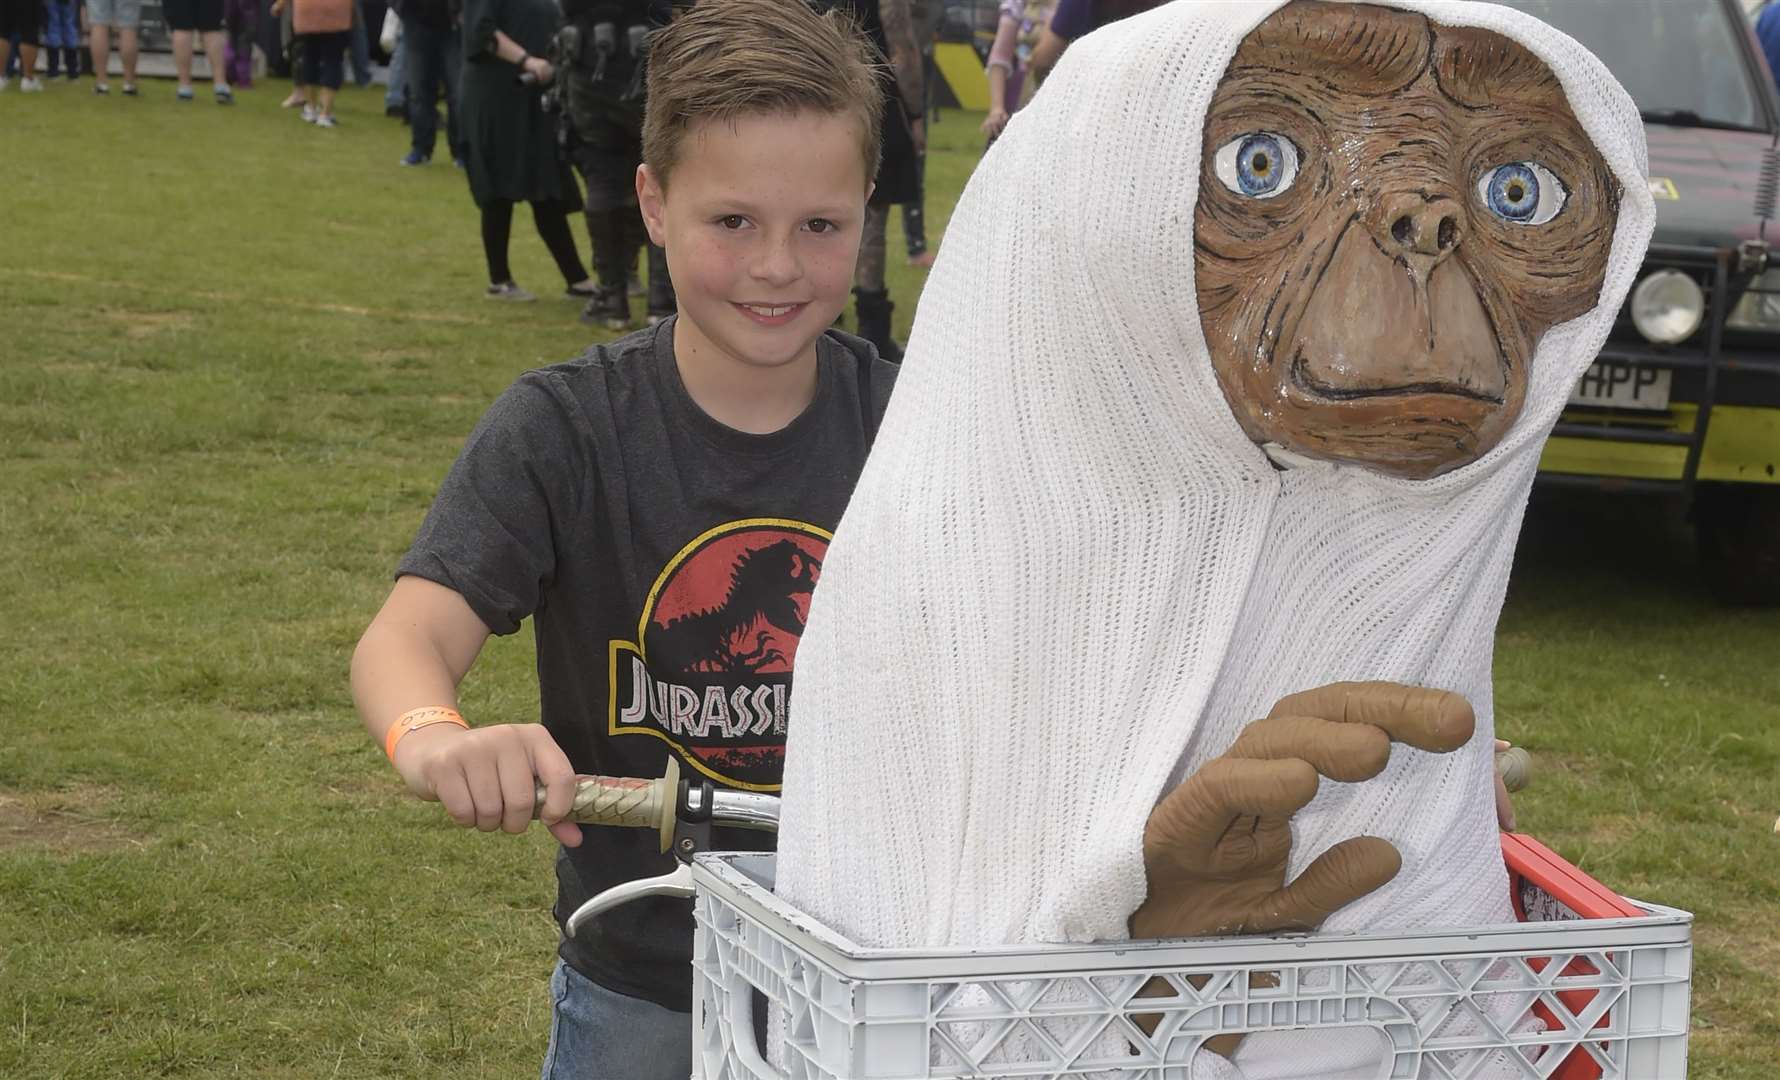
point(662, 804)
point(625, 800)
point(655, 804)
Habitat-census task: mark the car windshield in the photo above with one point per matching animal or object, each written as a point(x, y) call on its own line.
point(1677, 58)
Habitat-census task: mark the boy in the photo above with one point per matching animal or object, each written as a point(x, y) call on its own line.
point(661, 504)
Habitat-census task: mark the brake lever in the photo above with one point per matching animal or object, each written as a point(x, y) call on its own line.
point(675, 883)
point(681, 812)
point(692, 834)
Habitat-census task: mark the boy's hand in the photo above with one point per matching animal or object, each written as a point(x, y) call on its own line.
point(486, 776)
point(1215, 848)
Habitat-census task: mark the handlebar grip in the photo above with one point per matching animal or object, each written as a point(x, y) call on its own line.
point(1515, 766)
point(624, 801)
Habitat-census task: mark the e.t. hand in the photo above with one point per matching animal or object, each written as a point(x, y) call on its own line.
point(1215, 848)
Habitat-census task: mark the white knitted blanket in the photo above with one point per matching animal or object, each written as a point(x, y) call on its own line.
point(1066, 578)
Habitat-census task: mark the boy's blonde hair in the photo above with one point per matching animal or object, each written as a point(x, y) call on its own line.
point(725, 59)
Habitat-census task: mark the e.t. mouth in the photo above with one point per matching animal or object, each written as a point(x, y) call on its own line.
point(1330, 392)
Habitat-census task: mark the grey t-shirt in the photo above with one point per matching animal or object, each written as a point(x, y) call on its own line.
point(666, 561)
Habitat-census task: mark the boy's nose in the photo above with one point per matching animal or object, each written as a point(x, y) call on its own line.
point(777, 263)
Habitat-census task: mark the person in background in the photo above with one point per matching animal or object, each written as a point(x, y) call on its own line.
point(359, 48)
point(240, 19)
point(889, 25)
point(510, 143)
point(187, 18)
point(433, 57)
point(61, 36)
point(926, 15)
point(393, 41)
point(18, 22)
point(102, 17)
point(1017, 34)
point(601, 47)
point(323, 26)
point(293, 53)
point(1073, 18)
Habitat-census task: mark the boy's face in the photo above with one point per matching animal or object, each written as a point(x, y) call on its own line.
point(761, 223)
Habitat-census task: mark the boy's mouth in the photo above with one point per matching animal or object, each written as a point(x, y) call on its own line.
point(770, 314)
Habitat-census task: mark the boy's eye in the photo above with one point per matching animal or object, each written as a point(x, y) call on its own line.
point(822, 225)
point(732, 221)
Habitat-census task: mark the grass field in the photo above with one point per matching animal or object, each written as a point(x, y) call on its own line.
point(239, 353)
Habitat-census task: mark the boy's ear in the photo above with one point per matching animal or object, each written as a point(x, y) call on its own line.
point(649, 201)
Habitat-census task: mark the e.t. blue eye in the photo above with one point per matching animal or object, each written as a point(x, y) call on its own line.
point(1522, 193)
point(1261, 164)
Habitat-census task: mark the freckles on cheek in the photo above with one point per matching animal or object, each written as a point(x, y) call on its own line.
point(705, 264)
point(836, 268)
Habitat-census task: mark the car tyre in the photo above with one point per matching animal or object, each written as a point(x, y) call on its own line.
point(1738, 530)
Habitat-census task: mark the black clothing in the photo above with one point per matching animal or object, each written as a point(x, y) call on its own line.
point(667, 560)
point(605, 141)
point(509, 141)
point(602, 50)
point(436, 14)
point(202, 16)
point(21, 19)
point(552, 221)
point(605, 46)
point(324, 59)
point(897, 180)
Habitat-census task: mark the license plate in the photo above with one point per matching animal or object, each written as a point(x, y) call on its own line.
point(1609, 384)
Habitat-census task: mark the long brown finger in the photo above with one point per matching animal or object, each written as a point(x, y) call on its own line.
point(1337, 877)
point(1190, 819)
point(1428, 719)
point(1345, 752)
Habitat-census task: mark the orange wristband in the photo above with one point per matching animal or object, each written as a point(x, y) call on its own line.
point(414, 719)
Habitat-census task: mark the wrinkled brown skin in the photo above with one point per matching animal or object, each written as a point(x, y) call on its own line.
point(1215, 848)
point(1377, 312)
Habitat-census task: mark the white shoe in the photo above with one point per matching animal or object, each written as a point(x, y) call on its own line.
point(309, 114)
point(30, 86)
point(508, 291)
point(326, 120)
point(4, 83)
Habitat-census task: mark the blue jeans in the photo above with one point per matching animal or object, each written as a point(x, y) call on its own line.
point(598, 1034)
point(360, 48)
point(396, 95)
point(435, 64)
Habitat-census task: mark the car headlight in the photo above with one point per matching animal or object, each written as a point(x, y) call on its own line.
point(1759, 308)
point(1667, 307)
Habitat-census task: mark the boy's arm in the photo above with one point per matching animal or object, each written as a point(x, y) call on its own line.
point(413, 655)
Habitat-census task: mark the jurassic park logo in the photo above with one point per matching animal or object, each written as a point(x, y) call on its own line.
point(710, 671)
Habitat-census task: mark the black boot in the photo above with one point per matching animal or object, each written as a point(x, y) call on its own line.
point(71, 61)
point(873, 307)
point(610, 307)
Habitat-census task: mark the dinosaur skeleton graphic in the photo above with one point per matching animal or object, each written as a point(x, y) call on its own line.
point(730, 637)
